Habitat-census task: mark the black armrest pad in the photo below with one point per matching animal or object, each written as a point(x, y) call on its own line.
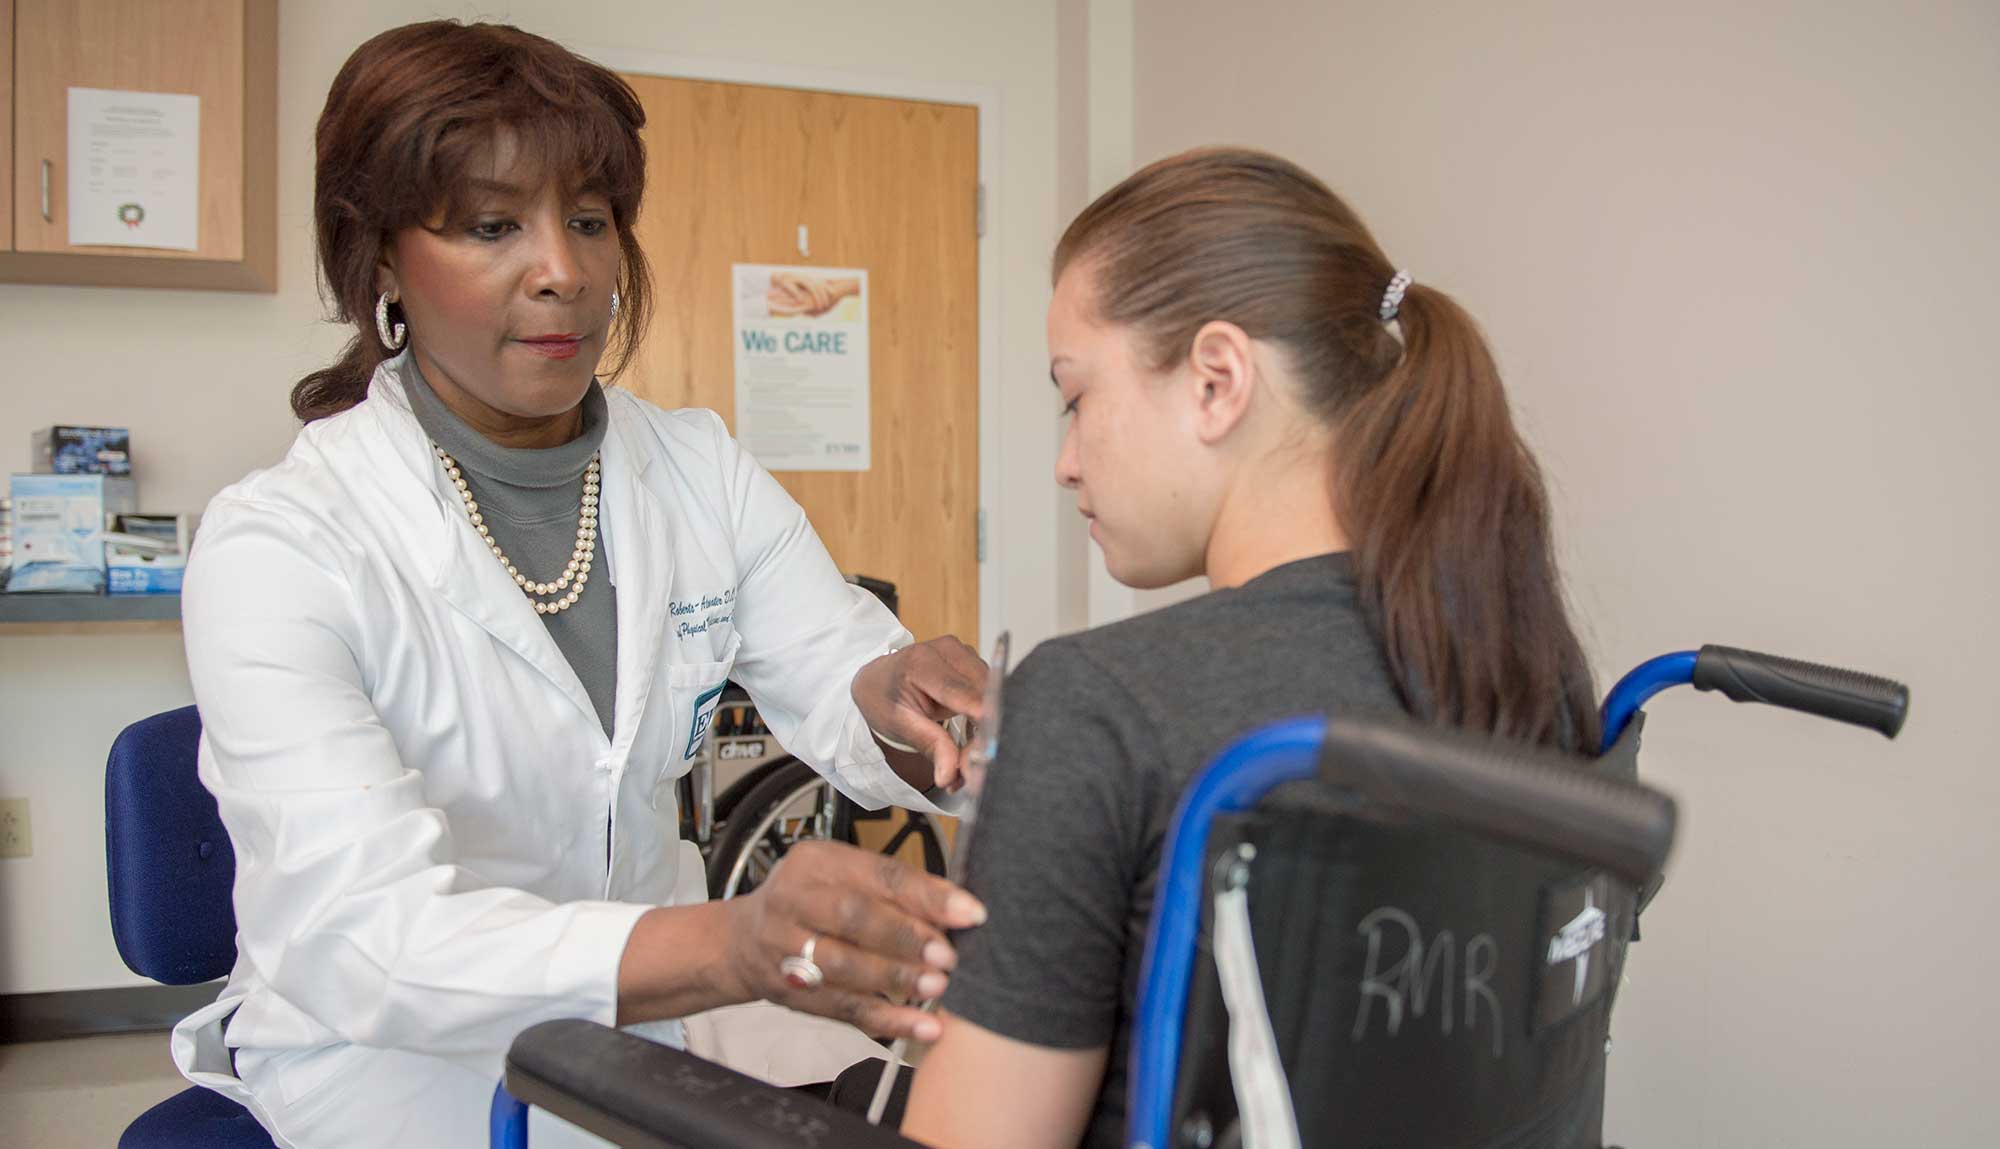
point(640, 1094)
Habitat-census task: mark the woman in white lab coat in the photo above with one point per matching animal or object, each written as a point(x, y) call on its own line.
point(446, 764)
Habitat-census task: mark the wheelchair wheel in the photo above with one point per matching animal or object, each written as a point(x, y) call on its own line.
point(793, 804)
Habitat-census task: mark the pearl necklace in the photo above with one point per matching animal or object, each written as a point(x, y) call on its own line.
point(574, 575)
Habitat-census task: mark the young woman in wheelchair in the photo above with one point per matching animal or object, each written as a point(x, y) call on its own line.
point(1258, 395)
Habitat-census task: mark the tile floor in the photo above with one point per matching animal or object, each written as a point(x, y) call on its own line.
point(80, 1094)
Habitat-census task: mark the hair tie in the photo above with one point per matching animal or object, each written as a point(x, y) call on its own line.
point(1392, 298)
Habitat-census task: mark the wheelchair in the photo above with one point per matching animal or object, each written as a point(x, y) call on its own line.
point(1430, 957)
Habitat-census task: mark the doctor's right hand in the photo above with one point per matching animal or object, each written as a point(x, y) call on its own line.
point(877, 932)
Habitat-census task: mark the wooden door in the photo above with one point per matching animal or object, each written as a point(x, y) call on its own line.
point(193, 47)
point(733, 173)
point(6, 125)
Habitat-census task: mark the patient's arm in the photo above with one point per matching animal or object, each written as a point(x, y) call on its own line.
point(977, 1088)
point(1038, 996)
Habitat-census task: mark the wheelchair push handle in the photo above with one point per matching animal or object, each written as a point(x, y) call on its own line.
point(1849, 696)
point(1535, 799)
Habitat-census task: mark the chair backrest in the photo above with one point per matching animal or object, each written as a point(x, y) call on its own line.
point(1421, 986)
point(1426, 985)
point(167, 857)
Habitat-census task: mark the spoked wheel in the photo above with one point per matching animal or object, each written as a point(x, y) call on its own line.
point(794, 804)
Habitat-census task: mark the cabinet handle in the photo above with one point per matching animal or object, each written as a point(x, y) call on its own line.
point(48, 171)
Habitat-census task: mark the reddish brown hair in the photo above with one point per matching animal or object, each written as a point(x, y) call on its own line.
point(1443, 503)
point(408, 116)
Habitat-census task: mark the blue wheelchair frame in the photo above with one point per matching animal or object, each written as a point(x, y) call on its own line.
point(1237, 781)
point(1639, 686)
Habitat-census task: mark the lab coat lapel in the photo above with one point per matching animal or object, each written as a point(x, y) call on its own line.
point(465, 572)
point(477, 586)
point(638, 542)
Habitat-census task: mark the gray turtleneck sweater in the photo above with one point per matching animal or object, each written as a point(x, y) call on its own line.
point(530, 499)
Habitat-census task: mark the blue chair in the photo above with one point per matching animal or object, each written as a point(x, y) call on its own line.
point(170, 869)
point(171, 872)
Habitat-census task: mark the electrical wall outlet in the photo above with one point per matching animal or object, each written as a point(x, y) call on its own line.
point(15, 841)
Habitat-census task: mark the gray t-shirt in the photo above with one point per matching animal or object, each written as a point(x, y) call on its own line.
point(530, 499)
point(1100, 733)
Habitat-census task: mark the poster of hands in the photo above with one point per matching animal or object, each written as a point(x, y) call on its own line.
point(801, 343)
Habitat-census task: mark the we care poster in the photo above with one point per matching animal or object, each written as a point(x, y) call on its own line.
point(801, 338)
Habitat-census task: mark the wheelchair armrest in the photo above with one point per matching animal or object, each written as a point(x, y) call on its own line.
point(640, 1094)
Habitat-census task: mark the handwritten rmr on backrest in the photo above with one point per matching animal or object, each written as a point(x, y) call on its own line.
point(1404, 986)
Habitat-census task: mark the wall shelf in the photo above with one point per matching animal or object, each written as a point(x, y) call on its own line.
point(30, 614)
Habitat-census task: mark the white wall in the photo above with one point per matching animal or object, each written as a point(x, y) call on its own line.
point(1096, 90)
point(1075, 78)
point(201, 379)
point(1734, 259)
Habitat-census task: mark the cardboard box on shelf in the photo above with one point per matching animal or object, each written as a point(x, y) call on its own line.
point(146, 554)
point(59, 530)
point(81, 451)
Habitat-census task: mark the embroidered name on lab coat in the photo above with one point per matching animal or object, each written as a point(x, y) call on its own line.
point(696, 615)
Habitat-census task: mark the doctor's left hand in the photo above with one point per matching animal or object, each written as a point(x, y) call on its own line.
point(906, 698)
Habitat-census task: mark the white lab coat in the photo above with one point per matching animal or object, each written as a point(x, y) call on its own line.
point(436, 844)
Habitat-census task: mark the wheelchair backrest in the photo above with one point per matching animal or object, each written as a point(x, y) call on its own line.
point(1425, 986)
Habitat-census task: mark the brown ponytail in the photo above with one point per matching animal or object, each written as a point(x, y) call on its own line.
point(1443, 504)
point(408, 114)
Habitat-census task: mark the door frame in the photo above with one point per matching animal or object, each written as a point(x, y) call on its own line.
point(992, 480)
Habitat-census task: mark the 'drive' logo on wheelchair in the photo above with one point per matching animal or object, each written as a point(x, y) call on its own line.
point(1576, 966)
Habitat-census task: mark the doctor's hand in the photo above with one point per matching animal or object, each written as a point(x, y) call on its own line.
point(877, 931)
point(906, 698)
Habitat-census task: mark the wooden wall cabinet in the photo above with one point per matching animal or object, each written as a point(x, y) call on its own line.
point(225, 51)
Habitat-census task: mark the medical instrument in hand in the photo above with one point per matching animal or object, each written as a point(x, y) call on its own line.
point(980, 752)
point(983, 748)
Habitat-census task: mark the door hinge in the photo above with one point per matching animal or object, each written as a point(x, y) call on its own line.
point(982, 535)
point(979, 211)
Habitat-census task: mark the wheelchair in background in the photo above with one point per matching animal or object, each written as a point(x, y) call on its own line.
point(1365, 934)
point(770, 801)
